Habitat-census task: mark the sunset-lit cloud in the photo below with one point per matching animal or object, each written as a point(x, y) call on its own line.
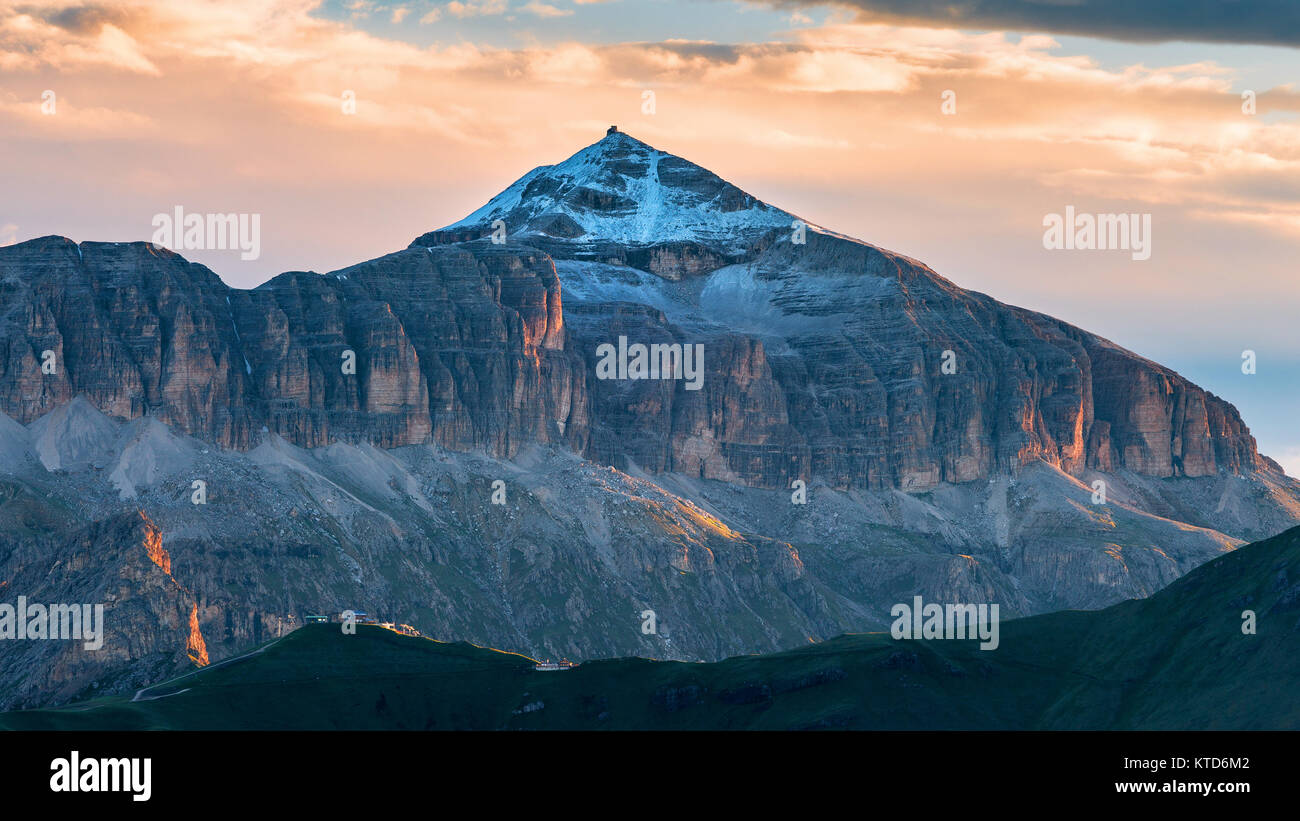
point(1166, 135)
point(545, 9)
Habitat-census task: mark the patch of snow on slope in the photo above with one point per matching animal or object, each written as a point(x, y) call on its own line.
point(502, 203)
point(657, 212)
point(599, 282)
point(739, 296)
point(247, 367)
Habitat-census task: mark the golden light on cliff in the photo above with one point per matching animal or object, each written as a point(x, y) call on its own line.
point(153, 545)
point(195, 645)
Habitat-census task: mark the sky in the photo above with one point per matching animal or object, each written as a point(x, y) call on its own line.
point(833, 111)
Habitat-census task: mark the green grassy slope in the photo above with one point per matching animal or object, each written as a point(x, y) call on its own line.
point(1177, 660)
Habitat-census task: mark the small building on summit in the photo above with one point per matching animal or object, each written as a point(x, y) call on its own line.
point(613, 129)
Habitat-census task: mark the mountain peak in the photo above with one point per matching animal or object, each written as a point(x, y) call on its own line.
point(620, 190)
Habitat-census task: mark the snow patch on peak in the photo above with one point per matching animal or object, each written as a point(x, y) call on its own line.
point(624, 191)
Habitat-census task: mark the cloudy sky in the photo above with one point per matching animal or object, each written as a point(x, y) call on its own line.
point(833, 111)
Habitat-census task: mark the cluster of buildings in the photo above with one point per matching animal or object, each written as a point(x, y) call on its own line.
point(546, 666)
point(361, 617)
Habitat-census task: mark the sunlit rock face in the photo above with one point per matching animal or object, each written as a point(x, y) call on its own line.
point(463, 346)
point(148, 623)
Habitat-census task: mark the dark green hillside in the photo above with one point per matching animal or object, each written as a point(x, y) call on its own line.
point(1177, 660)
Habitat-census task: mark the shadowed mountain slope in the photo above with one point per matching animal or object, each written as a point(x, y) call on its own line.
point(1178, 660)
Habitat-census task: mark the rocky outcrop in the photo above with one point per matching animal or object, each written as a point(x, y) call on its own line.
point(464, 346)
point(840, 363)
point(150, 624)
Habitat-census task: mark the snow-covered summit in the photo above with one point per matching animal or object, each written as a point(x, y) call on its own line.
point(622, 191)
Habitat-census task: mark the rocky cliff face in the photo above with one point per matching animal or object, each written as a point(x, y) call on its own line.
point(827, 359)
point(830, 359)
point(363, 420)
point(150, 621)
point(464, 346)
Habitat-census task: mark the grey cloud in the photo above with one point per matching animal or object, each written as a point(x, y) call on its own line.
point(1265, 22)
point(87, 19)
